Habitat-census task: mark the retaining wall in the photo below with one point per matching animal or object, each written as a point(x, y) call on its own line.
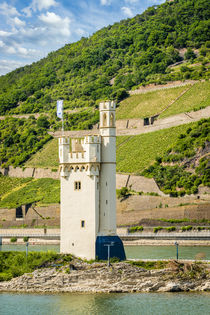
point(133, 212)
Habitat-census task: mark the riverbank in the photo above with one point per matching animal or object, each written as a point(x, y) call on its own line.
point(121, 277)
point(33, 241)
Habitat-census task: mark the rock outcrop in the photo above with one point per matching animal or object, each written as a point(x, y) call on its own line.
point(120, 277)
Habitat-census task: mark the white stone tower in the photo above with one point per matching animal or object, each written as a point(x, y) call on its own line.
point(88, 191)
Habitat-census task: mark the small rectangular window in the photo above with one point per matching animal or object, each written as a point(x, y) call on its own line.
point(82, 223)
point(77, 185)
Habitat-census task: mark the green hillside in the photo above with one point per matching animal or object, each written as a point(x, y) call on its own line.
point(142, 149)
point(106, 65)
point(143, 105)
point(197, 97)
point(41, 191)
point(185, 165)
point(148, 104)
point(177, 158)
point(133, 52)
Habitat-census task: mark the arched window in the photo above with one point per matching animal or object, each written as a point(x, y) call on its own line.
point(104, 120)
point(112, 120)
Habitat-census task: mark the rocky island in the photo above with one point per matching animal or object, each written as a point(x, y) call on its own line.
point(122, 277)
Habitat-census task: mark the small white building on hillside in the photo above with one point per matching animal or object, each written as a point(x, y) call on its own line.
point(88, 191)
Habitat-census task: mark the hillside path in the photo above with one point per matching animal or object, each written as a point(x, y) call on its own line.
point(159, 124)
point(164, 123)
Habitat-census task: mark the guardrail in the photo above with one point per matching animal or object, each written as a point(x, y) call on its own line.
point(168, 236)
point(44, 236)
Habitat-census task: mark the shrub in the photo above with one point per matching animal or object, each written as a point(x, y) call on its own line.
point(123, 192)
point(171, 228)
point(25, 239)
point(134, 229)
point(200, 228)
point(158, 228)
point(186, 228)
point(13, 239)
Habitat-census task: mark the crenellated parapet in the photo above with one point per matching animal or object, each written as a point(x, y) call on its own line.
point(80, 151)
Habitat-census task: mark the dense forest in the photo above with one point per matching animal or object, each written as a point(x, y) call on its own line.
point(133, 52)
point(108, 64)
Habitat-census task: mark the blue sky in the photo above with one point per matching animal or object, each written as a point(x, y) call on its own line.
point(29, 30)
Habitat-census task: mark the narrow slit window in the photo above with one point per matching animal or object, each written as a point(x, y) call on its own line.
point(77, 185)
point(82, 223)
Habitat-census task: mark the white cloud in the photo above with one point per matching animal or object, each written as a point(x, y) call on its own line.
point(81, 32)
point(27, 11)
point(43, 4)
point(2, 44)
point(56, 24)
point(8, 10)
point(127, 11)
point(105, 2)
point(4, 34)
point(10, 50)
point(18, 22)
point(22, 51)
point(131, 1)
point(9, 65)
point(39, 5)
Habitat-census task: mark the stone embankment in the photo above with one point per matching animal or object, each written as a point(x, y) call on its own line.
point(120, 277)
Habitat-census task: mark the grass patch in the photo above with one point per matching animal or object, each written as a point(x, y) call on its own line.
point(149, 265)
point(148, 104)
point(46, 157)
point(140, 151)
point(42, 191)
point(15, 264)
point(196, 98)
point(134, 229)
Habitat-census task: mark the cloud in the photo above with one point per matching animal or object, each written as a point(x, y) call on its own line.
point(39, 5)
point(4, 34)
point(2, 44)
point(81, 32)
point(44, 4)
point(9, 65)
point(18, 22)
point(127, 11)
point(56, 24)
point(131, 1)
point(105, 2)
point(10, 50)
point(8, 10)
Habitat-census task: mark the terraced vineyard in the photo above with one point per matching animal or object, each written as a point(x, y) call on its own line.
point(134, 153)
point(42, 191)
point(197, 96)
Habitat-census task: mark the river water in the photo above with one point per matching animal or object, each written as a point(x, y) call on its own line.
point(105, 304)
point(136, 252)
point(112, 304)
